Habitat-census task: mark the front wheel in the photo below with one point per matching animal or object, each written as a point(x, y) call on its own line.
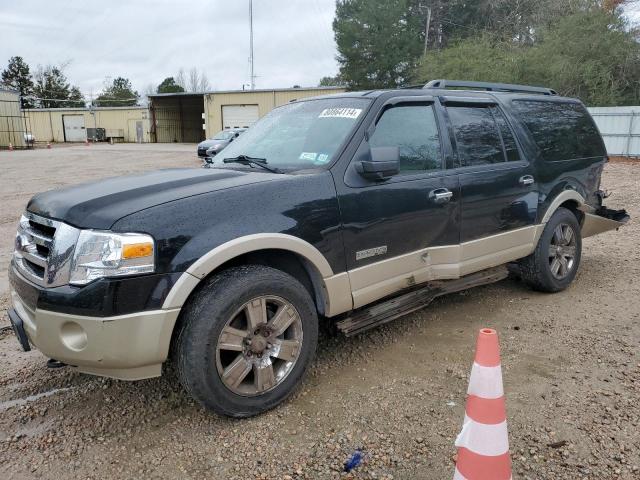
point(554, 263)
point(246, 340)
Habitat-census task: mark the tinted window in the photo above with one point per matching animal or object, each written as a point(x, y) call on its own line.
point(509, 141)
point(413, 129)
point(477, 138)
point(562, 130)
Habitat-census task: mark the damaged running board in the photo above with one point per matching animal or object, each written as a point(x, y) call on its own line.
point(385, 311)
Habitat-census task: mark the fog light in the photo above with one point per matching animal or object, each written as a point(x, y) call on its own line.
point(73, 336)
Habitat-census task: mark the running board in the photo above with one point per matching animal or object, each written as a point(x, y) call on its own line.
point(385, 311)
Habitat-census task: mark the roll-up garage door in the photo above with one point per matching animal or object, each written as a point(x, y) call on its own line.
point(74, 130)
point(239, 116)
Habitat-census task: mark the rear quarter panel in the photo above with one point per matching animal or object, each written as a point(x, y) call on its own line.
point(553, 177)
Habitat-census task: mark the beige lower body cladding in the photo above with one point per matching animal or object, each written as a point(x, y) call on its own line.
point(127, 347)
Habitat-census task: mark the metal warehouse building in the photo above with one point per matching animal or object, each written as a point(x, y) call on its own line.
point(126, 124)
point(12, 121)
point(192, 117)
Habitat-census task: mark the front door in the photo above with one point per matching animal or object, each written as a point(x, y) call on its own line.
point(388, 225)
point(498, 189)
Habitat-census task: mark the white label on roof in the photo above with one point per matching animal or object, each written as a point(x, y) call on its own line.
point(340, 113)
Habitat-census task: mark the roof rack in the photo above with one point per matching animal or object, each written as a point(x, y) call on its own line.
point(491, 87)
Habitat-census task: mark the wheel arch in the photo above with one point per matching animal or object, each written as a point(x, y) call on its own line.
point(285, 252)
point(569, 199)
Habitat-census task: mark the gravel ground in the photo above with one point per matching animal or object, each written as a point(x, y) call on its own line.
point(571, 368)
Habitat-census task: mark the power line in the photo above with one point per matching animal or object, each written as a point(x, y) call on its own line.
point(83, 100)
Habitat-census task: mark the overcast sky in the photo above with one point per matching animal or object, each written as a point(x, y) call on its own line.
point(148, 40)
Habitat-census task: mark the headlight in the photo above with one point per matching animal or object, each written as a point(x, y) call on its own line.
point(104, 254)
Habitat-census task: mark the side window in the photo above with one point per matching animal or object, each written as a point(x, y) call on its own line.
point(509, 141)
point(562, 130)
point(476, 134)
point(413, 129)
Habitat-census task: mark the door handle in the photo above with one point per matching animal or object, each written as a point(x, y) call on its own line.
point(526, 180)
point(440, 195)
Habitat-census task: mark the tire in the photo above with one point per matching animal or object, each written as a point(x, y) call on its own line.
point(229, 352)
point(540, 269)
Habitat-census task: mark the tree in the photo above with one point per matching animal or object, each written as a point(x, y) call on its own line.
point(590, 54)
point(379, 41)
point(76, 99)
point(481, 58)
point(117, 93)
point(169, 85)
point(53, 90)
point(335, 81)
point(18, 77)
point(181, 79)
point(198, 82)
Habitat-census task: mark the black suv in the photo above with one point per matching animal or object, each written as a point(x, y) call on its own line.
point(357, 207)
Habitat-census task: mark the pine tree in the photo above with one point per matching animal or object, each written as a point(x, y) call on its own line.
point(169, 85)
point(18, 77)
point(379, 41)
point(53, 90)
point(118, 93)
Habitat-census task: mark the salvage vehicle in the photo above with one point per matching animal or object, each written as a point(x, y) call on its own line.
point(211, 147)
point(353, 208)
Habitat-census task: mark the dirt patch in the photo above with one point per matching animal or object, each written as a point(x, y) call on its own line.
point(625, 159)
point(571, 367)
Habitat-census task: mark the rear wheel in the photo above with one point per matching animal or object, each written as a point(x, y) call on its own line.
point(246, 340)
point(554, 263)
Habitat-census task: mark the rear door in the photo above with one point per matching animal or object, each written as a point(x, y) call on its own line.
point(499, 192)
point(388, 225)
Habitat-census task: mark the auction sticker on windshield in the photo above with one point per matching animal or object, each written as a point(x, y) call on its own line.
point(340, 113)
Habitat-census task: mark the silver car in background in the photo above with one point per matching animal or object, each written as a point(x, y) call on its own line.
point(211, 147)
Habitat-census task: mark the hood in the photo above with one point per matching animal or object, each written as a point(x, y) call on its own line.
point(217, 147)
point(100, 204)
point(211, 143)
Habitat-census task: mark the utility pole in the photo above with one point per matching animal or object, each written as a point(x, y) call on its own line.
point(253, 77)
point(426, 31)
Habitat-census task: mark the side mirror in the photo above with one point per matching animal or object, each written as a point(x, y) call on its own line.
point(384, 163)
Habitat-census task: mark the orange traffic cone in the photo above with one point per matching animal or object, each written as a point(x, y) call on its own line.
point(48, 144)
point(86, 142)
point(10, 146)
point(483, 443)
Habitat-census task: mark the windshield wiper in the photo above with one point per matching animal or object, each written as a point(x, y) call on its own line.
point(247, 160)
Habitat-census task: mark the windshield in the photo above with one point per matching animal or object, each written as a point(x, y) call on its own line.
point(299, 135)
point(224, 135)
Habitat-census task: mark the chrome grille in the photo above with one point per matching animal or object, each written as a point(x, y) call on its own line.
point(43, 249)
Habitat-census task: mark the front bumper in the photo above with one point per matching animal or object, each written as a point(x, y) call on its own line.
point(128, 347)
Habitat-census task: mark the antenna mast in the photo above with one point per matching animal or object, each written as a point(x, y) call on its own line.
point(253, 77)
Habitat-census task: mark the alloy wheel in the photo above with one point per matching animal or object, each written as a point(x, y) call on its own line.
point(259, 345)
point(562, 251)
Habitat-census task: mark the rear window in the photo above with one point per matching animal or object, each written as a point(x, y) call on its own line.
point(562, 130)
